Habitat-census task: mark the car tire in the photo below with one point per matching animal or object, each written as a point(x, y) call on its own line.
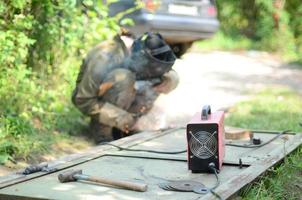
point(180, 49)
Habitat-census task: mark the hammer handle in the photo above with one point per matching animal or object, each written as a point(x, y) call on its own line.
point(122, 184)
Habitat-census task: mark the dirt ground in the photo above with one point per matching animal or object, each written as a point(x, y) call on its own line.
point(219, 79)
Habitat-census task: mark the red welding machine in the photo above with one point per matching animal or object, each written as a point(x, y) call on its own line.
point(205, 137)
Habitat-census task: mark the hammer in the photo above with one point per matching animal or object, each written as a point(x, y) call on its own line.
point(75, 175)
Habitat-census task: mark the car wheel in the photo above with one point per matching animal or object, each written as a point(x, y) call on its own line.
point(180, 48)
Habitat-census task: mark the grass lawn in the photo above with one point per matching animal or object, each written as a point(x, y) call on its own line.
point(273, 109)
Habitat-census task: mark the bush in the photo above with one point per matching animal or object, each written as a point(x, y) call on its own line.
point(268, 24)
point(294, 8)
point(41, 46)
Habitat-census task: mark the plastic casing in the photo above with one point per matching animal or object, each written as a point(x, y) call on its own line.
point(216, 118)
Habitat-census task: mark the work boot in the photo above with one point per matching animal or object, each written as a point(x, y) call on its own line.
point(100, 132)
point(118, 134)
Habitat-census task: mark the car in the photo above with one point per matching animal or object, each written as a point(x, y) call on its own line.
point(180, 22)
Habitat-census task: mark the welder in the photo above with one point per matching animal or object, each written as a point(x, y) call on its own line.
point(120, 79)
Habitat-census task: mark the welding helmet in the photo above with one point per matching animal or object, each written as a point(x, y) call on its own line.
point(151, 56)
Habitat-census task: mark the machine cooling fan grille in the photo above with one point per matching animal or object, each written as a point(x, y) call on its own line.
point(203, 144)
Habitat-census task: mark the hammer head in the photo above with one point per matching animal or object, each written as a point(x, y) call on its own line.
point(68, 176)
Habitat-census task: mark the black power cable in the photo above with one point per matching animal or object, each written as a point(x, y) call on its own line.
point(166, 130)
point(144, 150)
point(213, 168)
point(183, 151)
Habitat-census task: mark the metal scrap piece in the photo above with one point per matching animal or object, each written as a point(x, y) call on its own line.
point(49, 169)
point(41, 167)
point(185, 185)
point(165, 186)
point(34, 168)
point(200, 190)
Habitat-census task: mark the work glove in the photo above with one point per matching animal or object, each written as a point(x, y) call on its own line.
point(114, 116)
point(169, 82)
point(145, 96)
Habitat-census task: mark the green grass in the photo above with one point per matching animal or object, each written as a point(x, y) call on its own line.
point(282, 182)
point(221, 42)
point(40, 138)
point(273, 109)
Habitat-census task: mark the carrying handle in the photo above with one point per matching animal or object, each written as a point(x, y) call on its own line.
point(206, 111)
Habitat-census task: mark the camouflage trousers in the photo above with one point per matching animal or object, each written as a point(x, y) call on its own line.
point(119, 88)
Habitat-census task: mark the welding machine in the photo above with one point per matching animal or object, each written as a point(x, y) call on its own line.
point(205, 139)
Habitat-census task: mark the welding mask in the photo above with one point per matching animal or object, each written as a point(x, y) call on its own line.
point(150, 56)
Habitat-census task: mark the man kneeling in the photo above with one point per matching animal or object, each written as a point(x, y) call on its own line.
point(118, 82)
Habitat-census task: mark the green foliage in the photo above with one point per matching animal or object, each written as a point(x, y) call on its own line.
point(251, 18)
point(66, 28)
point(266, 25)
point(294, 7)
point(41, 46)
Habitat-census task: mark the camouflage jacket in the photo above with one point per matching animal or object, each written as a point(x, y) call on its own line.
point(99, 61)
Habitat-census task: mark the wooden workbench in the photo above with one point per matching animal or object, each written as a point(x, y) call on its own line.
point(149, 168)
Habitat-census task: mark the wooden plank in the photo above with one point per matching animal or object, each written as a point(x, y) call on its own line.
point(235, 133)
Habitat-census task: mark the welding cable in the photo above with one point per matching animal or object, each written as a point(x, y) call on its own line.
point(143, 150)
point(184, 151)
point(166, 130)
point(213, 168)
point(258, 145)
